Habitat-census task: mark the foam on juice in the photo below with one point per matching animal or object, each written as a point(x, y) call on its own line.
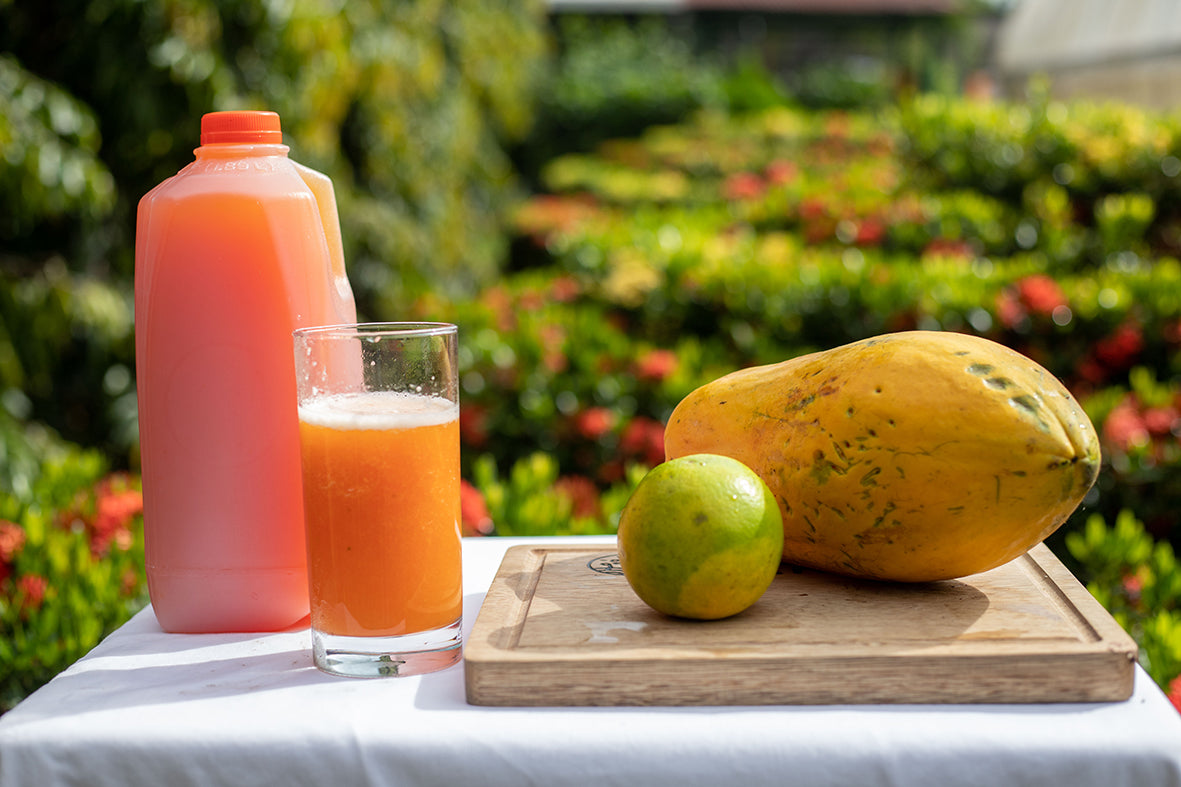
point(377, 410)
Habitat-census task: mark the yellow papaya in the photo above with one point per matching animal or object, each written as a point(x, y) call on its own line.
point(911, 457)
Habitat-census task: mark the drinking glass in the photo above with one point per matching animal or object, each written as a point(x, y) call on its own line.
point(379, 445)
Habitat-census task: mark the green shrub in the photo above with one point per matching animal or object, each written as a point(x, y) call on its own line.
point(1111, 168)
point(543, 366)
point(409, 107)
point(733, 241)
point(854, 83)
point(66, 349)
point(50, 173)
point(71, 557)
point(532, 500)
point(1140, 427)
point(1138, 580)
point(612, 77)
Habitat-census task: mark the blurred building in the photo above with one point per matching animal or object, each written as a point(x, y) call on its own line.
point(1128, 50)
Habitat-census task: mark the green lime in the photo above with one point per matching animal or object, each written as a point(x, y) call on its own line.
point(701, 537)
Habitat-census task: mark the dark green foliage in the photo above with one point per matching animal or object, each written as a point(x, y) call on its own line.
point(408, 106)
point(1139, 581)
point(614, 77)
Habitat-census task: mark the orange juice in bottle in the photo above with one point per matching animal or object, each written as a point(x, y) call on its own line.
point(233, 253)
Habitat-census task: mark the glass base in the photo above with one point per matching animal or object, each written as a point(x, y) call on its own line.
point(384, 657)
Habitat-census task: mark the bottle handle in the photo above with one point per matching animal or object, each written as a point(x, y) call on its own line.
point(321, 186)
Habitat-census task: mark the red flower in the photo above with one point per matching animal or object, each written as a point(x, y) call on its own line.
point(871, 232)
point(612, 471)
point(115, 506)
point(643, 439)
point(555, 361)
point(1122, 348)
point(945, 247)
point(1009, 310)
point(582, 493)
point(473, 424)
point(743, 186)
point(813, 208)
point(594, 422)
point(1172, 332)
point(1133, 585)
point(1162, 420)
point(553, 354)
point(498, 301)
point(31, 588)
point(546, 214)
point(837, 124)
point(1125, 428)
point(106, 518)
point(1037, 295)
point(780, 172)
point(113, 518)
point(473, 511)
point(817, 220)
point(565, 289)
point(12, 538)
point(656, 365)
point(1040, 294)
point(530, 300)
point(1090, 370)
point(1117, 352)
point(1175, 693)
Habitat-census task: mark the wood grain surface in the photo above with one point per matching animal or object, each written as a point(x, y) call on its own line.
point(560, 626)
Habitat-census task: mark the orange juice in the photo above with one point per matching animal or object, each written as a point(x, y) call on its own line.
point(233, 253)
point(381, 498)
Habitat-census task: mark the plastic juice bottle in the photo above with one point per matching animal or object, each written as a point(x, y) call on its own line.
point(232, 254)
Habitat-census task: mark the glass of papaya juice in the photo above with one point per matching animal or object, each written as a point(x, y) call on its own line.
point(379, 447)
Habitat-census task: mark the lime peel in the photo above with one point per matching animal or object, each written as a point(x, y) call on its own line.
point(701, 537)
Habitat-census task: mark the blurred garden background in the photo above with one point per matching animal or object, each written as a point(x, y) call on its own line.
point(616, 203)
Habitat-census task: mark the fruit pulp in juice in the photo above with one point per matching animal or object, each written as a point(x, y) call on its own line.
point(381, 504)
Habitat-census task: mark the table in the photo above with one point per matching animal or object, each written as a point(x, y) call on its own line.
point(150, 708)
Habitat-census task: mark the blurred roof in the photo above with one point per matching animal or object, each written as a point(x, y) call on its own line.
point(1121, 49)
point(835, 7)
point(1065, 33)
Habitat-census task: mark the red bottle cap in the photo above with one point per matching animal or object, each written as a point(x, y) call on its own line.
point(241, 128)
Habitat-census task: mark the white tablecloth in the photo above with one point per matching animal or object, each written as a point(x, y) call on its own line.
point(149, 708)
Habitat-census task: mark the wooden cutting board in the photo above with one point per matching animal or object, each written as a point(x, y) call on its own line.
point(560, 626)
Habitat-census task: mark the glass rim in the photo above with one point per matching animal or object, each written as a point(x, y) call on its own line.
point(351, 330)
